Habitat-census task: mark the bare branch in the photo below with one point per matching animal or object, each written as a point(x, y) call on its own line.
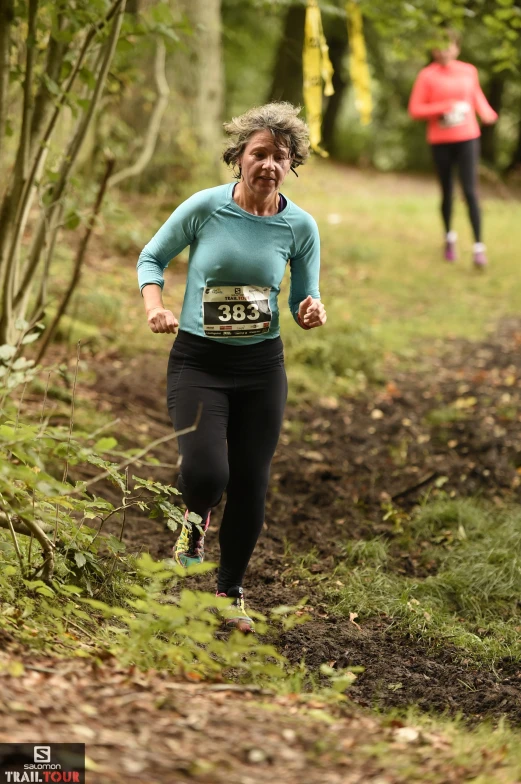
point(163, 91)
point(71, 423)
point(41, 299)
point(13, 534)
point(27, 527)
point(78, 264)
point(44, 227)
point(20, 527)
point(123, 502)
point(141, 453)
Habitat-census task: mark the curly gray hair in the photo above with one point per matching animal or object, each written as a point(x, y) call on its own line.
point(281, 119)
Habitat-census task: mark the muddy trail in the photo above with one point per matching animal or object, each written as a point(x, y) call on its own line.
point(338, 465)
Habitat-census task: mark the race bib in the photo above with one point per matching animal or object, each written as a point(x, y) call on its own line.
point(457, 115)
point(236, 311)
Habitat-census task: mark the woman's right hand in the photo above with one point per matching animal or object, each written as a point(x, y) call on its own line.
point(162, 320)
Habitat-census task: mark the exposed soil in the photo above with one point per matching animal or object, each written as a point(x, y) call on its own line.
point(337, 463)
point(148, 728)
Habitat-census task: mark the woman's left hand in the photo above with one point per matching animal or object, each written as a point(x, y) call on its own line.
point(311, 313)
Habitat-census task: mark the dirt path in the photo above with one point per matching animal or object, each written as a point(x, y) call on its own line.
point(151, 729)
point(335, 466)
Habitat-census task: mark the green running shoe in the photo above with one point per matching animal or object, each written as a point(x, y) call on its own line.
point(236, 615)
point(189, 548)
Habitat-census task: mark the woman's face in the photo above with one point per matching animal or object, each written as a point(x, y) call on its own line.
point(447, 54)
point(264, 164)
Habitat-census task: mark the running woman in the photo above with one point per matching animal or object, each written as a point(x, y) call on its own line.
point(447, 94)
point(228, 355)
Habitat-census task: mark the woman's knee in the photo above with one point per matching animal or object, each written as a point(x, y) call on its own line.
point(202, 487)
point(471, 196)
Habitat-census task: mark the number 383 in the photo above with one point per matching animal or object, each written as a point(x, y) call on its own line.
point(239, 312)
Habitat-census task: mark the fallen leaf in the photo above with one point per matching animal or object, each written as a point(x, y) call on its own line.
point(352, 616)
point(407, 734)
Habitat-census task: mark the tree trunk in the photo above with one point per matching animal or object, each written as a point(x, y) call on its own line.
point(336, 35)
point(43, 102)
point(287, 74)
point(203, 81)
point(210, 83)
point(488, 132)
point(6, 18)
point(515, 163)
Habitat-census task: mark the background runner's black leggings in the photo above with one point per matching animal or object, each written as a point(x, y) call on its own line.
point(465, 155)
point(243, 392)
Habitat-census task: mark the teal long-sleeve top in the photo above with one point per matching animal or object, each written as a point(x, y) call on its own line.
point(232, 250)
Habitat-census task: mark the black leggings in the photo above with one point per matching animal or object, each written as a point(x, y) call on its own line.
point(465, 155)
point(243, 392)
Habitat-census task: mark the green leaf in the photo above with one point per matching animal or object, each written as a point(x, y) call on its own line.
point(22, 363)
point(73, 220)
point(7, 351)
point(104, 444)
point(38, 586)
point(88, 78)
point(31, 337)
point(71, 589)
point(51, 85)
point(80, 559)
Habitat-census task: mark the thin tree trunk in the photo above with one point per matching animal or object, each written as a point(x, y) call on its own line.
point(287, 75)
point(28, 106)
point(488, 132)
point(207, 78)
point(80, 256)
point(6, 18)
point(20, 172)
point(70, 157)
point(68, 162)
point(152, 133)
point(16, 204)
point(515, 162)
point(43, 101)
point(337, 42)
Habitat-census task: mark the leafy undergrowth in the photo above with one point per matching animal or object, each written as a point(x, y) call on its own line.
point(470, 555)
point(67, 589)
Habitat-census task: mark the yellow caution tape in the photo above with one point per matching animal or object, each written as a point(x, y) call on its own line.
point(358, 67)
point(317, 68)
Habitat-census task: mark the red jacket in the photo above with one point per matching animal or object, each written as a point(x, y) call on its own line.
point(439, 96)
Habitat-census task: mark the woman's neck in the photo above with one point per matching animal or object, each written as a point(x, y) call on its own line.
point(250, 203)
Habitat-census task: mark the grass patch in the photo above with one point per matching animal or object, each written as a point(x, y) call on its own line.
point(483, 755)
point(446, 415)
point(382, 257)
point(472, 595)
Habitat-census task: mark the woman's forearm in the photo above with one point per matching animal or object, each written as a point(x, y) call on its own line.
point(152, 297)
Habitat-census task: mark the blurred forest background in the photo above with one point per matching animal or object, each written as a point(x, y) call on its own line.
point(181, 67)
point(133, 93)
